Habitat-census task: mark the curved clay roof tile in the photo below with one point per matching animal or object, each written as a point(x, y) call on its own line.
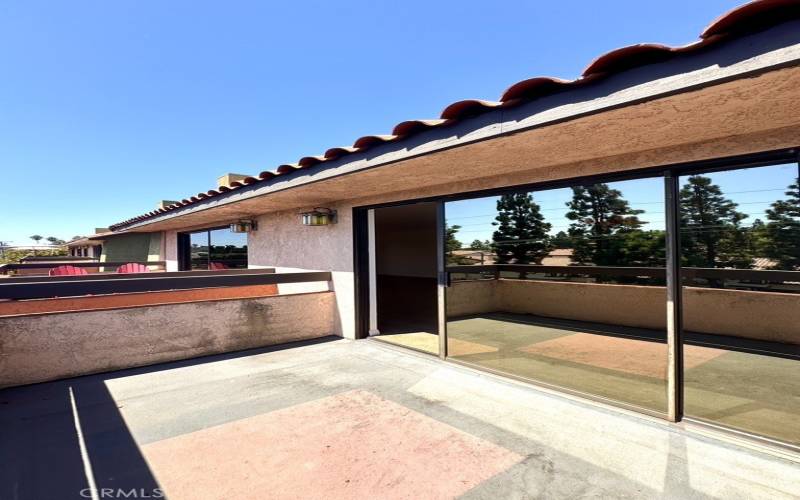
point(413, 126)
point(371, 140)
point(468, 108)
point(308, 161)
point(534, 87)
point(266, 174)
point(287, 167)
point(753, 16)
point(340, 151)
point(628, 57)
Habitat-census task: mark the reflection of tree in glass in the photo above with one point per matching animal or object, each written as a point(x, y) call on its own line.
point(561, 240)
point(521, 233)
point(642, 248)
point(451, 244)
point(600, 214)
point(480, 245)
point(711, 233)
point(783, 229)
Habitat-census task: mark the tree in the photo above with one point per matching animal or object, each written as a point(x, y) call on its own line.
point(711, 233)
point(783, 229)
point(55, 241)
point(758, 239)
point(643, 248)
point(36, 238)
point(561, 240)
point(481, 245)
point(521, 232)
point(451, 242)
point(601, 217)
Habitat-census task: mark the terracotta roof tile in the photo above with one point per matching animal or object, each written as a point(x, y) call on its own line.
point(369, 141)
point(468, 108)
point(334, 153)
point(411, 127)
point(750, 17)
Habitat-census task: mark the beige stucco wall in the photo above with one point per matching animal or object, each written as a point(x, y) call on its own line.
point(37, 348)
point(284, 243)
point(471, 297)
point(753, 315)
point(170, 250)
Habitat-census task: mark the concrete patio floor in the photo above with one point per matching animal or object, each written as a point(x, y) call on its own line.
point(743, 390)
point(352, 419)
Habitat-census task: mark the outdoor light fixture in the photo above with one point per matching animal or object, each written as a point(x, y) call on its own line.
point(244, 226)
point(319, 217)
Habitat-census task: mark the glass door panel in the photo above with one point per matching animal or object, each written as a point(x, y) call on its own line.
point(740, 251)
point(199, 247)
point(563, 286)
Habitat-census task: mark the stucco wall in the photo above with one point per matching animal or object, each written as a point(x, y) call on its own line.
point(37, 348)
point(471, 297)
point(132, 247)
point(284, 243)
point(171, 250)
point(753, 315)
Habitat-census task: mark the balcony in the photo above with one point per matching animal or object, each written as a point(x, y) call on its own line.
point(222, 384)
point(335, 418)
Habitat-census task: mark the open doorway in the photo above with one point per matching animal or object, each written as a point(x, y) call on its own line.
point(405, 274)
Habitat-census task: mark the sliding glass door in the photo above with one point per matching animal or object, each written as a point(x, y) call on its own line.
point(565, 287)
point(213, 249)
point(740, 241)
point(675, 293)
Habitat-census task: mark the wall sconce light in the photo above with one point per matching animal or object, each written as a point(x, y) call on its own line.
point(319, 217)
point(244, 226)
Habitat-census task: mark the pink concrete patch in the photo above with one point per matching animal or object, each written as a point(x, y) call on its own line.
point(457, 347)
point(638, 357)
point(353, 445)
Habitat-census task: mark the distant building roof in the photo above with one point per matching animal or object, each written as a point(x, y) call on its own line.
point(761, 263)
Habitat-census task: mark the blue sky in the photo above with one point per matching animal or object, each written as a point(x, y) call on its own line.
point(108, 107)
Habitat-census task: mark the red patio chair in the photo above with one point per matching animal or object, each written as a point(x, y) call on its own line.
point(67, 271)
point(132, 267)
point(218, 266)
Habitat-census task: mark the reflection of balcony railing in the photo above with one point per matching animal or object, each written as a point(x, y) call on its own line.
point(729, 278)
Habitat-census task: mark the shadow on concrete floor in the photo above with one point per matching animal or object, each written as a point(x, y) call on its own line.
point(59, 439)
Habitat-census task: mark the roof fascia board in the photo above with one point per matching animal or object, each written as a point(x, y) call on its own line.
point(764, 51)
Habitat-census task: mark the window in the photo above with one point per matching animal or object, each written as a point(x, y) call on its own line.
point(740, 242)
point(563, 286)
point(214, 249)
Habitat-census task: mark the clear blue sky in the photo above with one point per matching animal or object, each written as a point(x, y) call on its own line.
point(107, 107)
